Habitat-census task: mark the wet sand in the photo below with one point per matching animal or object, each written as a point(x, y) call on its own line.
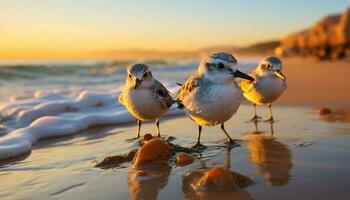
point(313, 82)
point(305, 157)
point(301, 156)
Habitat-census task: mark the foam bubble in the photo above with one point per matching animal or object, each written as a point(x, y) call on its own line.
point(54, 115)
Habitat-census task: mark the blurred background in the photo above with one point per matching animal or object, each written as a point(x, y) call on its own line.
point(48, 44)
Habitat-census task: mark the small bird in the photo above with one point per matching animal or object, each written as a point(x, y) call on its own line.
point(143, 96)
point(211, 95)
point(269, 84)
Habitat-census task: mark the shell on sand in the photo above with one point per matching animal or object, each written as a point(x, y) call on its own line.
point(222, 179)
point(183, 159)
point(153, 150)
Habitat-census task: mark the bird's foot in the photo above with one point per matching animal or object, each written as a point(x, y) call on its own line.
point(255, 118)
point(271, 120)
point(231, 143)
point(198, 147)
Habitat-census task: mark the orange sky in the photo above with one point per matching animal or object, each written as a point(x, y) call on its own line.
point(57, 29)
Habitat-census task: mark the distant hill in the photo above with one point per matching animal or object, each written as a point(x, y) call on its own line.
point(259, 48)
point(328, 38)
point(212, 49)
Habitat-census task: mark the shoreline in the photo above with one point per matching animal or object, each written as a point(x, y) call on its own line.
point(300, 92)
point(63, 167)
point(301, 152)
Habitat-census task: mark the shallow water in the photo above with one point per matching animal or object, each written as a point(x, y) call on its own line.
point(20, 79)
point(304, 158)
point(52, 99)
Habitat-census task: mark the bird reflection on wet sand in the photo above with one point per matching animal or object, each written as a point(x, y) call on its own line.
point(273, 159)
point(192, 183)
point(146, 183)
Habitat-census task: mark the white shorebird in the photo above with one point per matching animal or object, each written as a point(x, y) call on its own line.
point(269, 84)
point(211, 95)
point(143, 96)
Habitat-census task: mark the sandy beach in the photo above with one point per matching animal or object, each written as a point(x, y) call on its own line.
point(301, 156)
point(80, 79)
point(314, 82)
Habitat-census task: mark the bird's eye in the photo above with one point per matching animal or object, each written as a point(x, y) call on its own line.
point(221, 66)
point(145, 75)
point(129, 75)
point(267, 66)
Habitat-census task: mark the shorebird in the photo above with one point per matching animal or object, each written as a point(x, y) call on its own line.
point(269, 84)
point(211, 95)
point(143, 96)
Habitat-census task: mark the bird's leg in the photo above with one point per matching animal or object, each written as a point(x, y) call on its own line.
point(255, 117)
point(270, 119)
point(256, 126)
point(199, 146)
point(230, 141)
point(272, 130)
point(139, 123)
point(157, 123)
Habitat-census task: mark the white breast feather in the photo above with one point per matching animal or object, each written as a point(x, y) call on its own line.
point(142, 104)
point(216, 107)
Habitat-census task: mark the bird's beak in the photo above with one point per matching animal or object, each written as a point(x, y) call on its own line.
point(279, 74)
point(240, 74)
point(137, 83)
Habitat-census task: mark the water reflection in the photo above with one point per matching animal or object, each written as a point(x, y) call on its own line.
point(146, 183)
point(272, 130)
point(273, 159)
point(192, 191)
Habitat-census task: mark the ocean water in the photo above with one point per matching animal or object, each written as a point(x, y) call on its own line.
point(43, 99)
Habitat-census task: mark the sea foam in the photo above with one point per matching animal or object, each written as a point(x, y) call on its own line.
point(59, 114)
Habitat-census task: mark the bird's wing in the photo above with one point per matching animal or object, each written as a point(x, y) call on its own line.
point(163, 94)
point(191, 84)
point(247, 85)
point(121, 100)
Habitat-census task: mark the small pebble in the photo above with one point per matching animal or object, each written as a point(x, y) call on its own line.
point(324, 111)
point(183, 159)
point(147, 137)
point(153, 150)
point(217, 178)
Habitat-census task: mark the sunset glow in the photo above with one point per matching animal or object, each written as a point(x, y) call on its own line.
point(80, 28)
